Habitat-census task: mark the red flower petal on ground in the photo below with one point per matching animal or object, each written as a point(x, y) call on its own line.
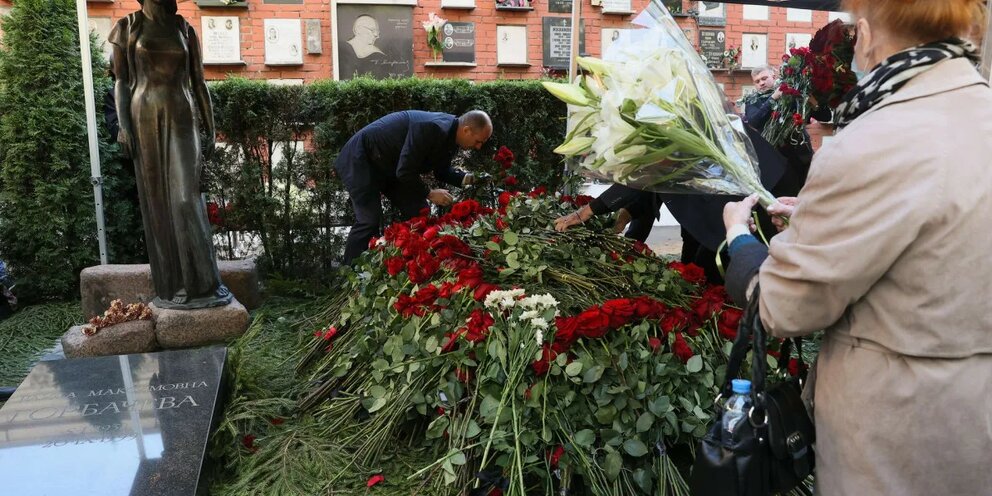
point(375, 479)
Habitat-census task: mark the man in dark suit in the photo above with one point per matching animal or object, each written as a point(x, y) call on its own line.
point(387, 158)
point(799, 153)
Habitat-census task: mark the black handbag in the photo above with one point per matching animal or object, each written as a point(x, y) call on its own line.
point(772, 452)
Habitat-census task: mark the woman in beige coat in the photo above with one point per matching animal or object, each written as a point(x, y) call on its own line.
point(889, 250)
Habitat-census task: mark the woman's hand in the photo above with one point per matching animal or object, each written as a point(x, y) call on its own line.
point(124, 140)
point(739, 212)
point(781, 210)
point(573, 219)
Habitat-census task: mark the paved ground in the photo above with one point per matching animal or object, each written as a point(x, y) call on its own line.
point(666, 240)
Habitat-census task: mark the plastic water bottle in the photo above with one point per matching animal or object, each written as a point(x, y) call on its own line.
point(737, 407)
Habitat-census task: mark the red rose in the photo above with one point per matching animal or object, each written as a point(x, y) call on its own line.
point(691, 273)
point(510, 181)
point(555, 456)
point(654, 344)
point(648, 308)
point(728, 323)
point(681, 348)
point(451, 343)
point(582, 200)
point(470, 277)
point(618, 311)
point(501, 224)
point(478, 325)
point(484, 289)
point(593, 323)
point(431, 232)
point(504, 199)
point(538, 191)
point(675, 319)
point(797, 119)
point(462, 210)
point(793, 367)
point(394, 265)
point(566, 333)
point(504, 157)
point(463, 375)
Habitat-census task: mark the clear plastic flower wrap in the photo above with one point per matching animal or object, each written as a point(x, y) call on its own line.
point(649, 115)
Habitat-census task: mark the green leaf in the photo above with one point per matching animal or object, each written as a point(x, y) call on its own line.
point(457, 457)
point(430, 345)
point(644, 422)
point(377, 391)
point(492, 246)
point(612, 465)
point(377, 405)
point(695, 364)
point(660, 406)
point(606, 414)
point(488, 407)
point(472, 430)
point(511, 238)
point(644, 480)
point(593, 374)
point(635, 447)
point(573, 368)
point(584, 438)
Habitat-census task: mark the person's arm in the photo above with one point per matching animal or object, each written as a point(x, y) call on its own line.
point(122, 88)
point(445, 172)
point(757, 115)
point(614, 198)
point(200, 92)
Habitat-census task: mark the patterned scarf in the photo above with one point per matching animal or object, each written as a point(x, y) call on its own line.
point(894, 72)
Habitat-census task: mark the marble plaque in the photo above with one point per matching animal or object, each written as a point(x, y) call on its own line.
point(754, 50)
point(617, 6)
point(511, 45)
point(712, 13)
point(560, 6)
point(609, 36)
point(376, 40)
point(713, 43)
point(798, 15)
point(844, 16)
point(756, 12)
point(557, 33)
point(128, 425)
point(102, 26)
point(283, 42)
point(797, 40)
point(221, 39)
point(457, 4)
point(458, 39)
point(314, 44)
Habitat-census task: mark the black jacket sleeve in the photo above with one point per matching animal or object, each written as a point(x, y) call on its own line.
point(758, 114)
point(443, 171)
point(744, 266)
point(412, 156)
point(614, 198)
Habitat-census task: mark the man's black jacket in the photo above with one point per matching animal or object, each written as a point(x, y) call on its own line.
point(398, 148)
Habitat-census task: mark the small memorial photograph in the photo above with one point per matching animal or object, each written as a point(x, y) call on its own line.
point(754, 50)
point(712, 13)
point(557, 41)
point(374, 40)
point(221, 39)
point(797, 40)
point(515, 4)
point(314, 43)
point(609, 36)
point(458, 39)
point(283, 42)
point(511, 45)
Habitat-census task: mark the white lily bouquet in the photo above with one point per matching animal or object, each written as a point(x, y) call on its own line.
point(649, 115)
point(433, 26)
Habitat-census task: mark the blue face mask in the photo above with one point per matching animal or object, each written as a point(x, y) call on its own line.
point(860, 74)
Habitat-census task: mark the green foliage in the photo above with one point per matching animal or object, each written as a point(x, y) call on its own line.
point(292, 206)
point(26, 334)
point(47, 220)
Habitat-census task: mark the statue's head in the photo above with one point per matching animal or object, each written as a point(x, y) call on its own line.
point(366, 29)
point(169, 5)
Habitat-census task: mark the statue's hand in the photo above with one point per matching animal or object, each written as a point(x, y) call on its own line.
point(124, 139)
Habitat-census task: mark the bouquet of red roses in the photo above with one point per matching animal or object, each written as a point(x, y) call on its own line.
point(810, 77)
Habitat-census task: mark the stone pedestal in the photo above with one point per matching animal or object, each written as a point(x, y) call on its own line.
point(101, 284)
point(186, 328)
point(122, 339)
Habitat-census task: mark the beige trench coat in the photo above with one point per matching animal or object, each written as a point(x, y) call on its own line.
point(890, 251)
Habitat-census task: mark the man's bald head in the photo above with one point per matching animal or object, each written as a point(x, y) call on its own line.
point(474, 129)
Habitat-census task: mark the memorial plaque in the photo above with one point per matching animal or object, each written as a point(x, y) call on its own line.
point(458, 39)
point(375, 40)
point(798, 15)
point(511, 45)
point(616, 6)
point(221, 39)
point(844, 16)
point(713, 43)
point(560, 6)
point(129, 425)
point(754, 50)
point(458, 4)
point(755, 12)
point(557, 34)
point(283, 42)
point(712, 13)
point(314, 44)
point(797, 40)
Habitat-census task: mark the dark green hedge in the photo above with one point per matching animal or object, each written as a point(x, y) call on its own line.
point(291, 206)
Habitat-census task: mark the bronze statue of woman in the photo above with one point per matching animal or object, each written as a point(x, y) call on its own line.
point(162, 100)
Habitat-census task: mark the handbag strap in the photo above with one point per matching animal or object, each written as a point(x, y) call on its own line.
point(742, 343)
